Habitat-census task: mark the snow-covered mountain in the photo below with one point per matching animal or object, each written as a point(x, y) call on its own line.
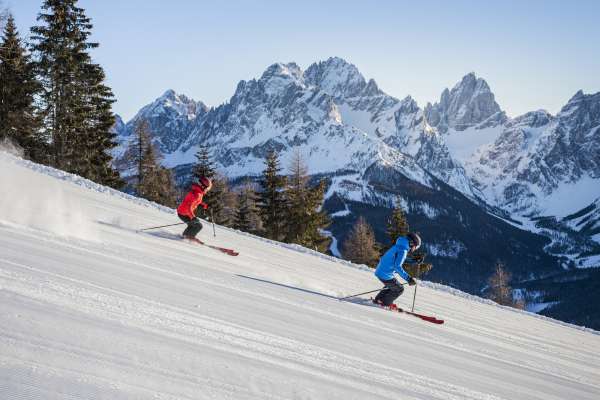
point(170, 118)
point(520, 167)
point(470, 103)
point(545, 164)
point(337, 119)
point(92, 309)
point(523, 165)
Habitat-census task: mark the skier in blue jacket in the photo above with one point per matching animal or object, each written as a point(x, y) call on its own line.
point(391, 263)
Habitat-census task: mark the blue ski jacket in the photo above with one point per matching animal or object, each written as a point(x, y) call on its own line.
point(392, 261)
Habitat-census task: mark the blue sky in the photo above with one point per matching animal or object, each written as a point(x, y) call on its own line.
point(533, 53)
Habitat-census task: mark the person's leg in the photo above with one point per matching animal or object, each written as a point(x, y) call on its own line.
point(383, 292)
point(393, 289)
point(379, 298)
point(193, 226)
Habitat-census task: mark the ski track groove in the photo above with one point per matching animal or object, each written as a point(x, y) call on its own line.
point(484, 352)
point(181, 324)
point(110, 361)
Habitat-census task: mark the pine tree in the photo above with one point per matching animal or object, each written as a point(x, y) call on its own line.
point(205, 167)
point(246, 214)
point(153, 182)
point(134, 154)
point(317, 219)
point(100, 137)
point(360, 247)
point(222, 201)
point(75, 101)
point(304, 219)
point(397, 224)
point(19, 121)
point(157, 181)
point(296, 195)
point(271, 200)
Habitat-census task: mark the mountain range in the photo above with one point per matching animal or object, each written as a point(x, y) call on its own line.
point(481, 186)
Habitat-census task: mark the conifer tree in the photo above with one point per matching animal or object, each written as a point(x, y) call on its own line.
point(19, 120)
point(75, 101)
point(304, 218)
point(360, 247)
point(204, 165)
point(246, 214)
point(217, 195)
point(222, 202)
point(134, 154)
point(153, 182)
point(316, 220)
point(271, 201)
point(99, 135)
point(296, 195)
point(397, 224)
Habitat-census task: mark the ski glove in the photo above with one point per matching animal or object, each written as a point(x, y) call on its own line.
point(418, 257)
point(411, 281)
point(204, 205)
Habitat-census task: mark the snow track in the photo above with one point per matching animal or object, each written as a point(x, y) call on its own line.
point(123, 315)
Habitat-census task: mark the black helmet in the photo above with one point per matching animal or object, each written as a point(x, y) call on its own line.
point(414, 240)
point(204, 181)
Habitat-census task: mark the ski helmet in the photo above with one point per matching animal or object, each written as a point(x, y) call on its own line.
point(414, 240)
point(204, 181)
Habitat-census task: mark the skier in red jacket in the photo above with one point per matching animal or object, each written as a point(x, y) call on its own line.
point(187, 209)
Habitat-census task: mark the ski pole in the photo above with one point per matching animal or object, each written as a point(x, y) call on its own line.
point(371, 291)
point(212, 218)
point(358, 294)
point(415, 293)
point(414, 297)
point(162, 226)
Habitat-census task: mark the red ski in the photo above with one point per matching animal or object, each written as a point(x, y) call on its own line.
point(230, 252)
point(427, 318)
point(423, 317)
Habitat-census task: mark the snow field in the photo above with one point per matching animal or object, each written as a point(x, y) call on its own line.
point(91, 309)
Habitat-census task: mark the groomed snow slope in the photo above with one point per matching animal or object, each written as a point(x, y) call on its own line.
point(90, 309)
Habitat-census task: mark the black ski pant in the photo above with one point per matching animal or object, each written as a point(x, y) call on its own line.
point(392, 290)
point(193, 226)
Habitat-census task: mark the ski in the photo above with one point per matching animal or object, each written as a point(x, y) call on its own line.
point(423, 317)
point(394, 307)
point(230, 252)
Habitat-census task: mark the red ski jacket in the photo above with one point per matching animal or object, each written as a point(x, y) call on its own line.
point(191, 201)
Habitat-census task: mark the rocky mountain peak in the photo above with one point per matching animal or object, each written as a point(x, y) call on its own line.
point(532, 119)
point(280, 70)
point(372, 89)
point(586, 105)
point(119, 125)
point(469, 103)
point(338, 78)
point(278, 76)
point(173, 103)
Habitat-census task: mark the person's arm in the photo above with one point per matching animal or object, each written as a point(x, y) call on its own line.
point(202, 203)
point(399, 259)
